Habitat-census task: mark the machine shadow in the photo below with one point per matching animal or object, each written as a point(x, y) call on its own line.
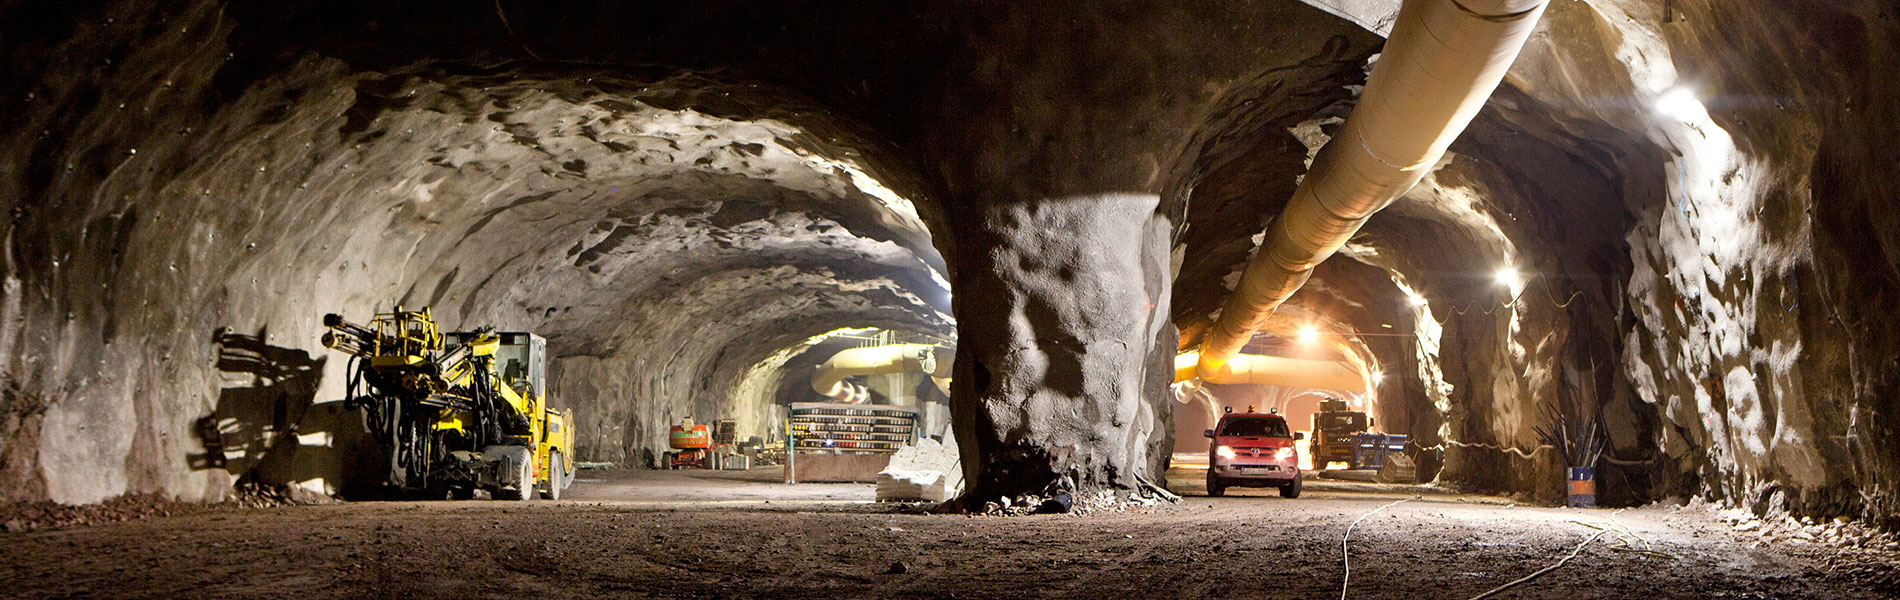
point(268, 432)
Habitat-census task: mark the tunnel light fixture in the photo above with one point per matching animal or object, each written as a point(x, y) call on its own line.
point(1308, 334)
point(1680, 104)
point(1418, 301)
point(1507, 276)
point(1378, 377)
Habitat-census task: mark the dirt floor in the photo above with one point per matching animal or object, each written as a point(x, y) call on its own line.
point(732, 534)
point(757, 486)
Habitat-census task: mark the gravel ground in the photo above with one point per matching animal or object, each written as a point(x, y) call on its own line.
point(628, 534)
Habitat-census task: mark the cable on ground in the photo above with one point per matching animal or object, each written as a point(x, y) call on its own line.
point(1540, 572)
point(1345, 556)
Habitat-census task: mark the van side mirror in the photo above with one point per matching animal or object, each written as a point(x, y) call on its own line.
point(1207, 433)
point(1299, 435)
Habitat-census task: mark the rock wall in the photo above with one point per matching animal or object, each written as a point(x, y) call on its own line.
point(1072, 141)
point(1687, 194)
point(667, 228)
point(675, 194)
point(1070, 390)
point(179, 225)
point(1756, 271)
point(1732, 160)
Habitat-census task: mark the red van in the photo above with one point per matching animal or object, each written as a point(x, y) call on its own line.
point(1253, 450)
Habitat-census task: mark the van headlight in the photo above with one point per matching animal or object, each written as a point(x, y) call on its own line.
point(1224, 451)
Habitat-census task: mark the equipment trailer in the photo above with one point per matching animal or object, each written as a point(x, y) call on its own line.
point(455, 420)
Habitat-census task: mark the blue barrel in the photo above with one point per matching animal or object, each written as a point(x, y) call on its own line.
point(1583, 487)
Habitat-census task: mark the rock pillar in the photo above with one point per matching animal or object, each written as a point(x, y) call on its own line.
point(1065, 348)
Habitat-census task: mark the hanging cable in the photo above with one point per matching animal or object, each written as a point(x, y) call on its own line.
point(1441, 445)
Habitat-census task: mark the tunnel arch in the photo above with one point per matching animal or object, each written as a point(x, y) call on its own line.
point(1475, 367)
point(703, 223)
point(663, 249)
point(174, 166)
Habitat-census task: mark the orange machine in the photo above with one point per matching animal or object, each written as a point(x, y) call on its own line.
point(690, 443)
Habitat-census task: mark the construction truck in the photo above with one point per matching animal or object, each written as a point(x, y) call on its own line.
point(1341, 434)
point(456, 412)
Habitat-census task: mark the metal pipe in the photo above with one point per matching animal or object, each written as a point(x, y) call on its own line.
point(829, 380)
point(1273, 370)
point(1440, 65)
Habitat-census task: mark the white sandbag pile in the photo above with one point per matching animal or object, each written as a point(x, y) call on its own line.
point(928, 471)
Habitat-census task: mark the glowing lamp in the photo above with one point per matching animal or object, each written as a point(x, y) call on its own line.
point(1506, 276)
point(1680, 104)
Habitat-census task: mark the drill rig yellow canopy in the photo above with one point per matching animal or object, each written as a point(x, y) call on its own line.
point(456, 412)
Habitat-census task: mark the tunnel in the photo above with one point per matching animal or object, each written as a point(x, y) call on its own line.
point(1633, 244)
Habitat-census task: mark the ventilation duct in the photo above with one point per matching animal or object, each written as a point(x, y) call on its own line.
point(1440, 65)
point(1274, 370)
point(929, 359)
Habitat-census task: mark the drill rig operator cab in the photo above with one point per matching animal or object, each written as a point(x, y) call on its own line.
point(456, 412)
point(520, 358)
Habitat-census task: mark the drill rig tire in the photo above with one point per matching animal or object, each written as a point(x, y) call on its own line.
point(514, 472)
point(556, 467)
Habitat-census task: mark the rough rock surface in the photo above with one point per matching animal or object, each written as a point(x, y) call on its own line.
point(1693, 199)
point(175, 242)
point(1071, 391)
point(677, 194)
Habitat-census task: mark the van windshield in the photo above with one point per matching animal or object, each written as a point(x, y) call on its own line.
point(1258, 427)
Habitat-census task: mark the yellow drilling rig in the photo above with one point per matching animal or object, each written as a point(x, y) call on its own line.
point(473, 416)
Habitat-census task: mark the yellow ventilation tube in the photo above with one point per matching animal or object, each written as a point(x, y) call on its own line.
point(1273, 370)
point(1441, 63)
point(896, 358)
